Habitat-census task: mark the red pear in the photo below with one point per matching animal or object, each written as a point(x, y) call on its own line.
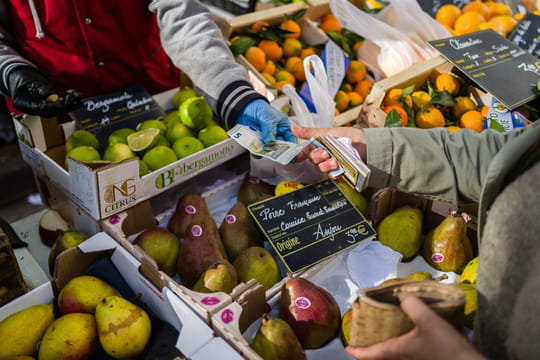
point(187, 207)
point(82, 294)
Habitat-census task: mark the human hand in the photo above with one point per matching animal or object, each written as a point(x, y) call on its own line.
point(432, 339)
point(271, 122)
point(33, 94)
point(321, 157)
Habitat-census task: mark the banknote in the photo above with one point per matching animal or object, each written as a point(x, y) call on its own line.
point(280, 151)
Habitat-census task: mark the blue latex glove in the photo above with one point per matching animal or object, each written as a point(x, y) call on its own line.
point(272, 123)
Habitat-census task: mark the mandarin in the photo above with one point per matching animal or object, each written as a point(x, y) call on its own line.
point(356, 71)
point(403, 117)
point(447, 15)
point(271, 49)
point(428, 118)
point(447, 82)
point(363, 87)
point(473, 120)
point(293, 27)
point(256, 57)
point(468, 22)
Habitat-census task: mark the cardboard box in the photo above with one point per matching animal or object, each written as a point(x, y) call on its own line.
point(194, 334)
point(101, 188)
point(371, 114)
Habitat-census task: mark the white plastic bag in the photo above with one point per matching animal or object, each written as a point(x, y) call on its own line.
point(395, 39)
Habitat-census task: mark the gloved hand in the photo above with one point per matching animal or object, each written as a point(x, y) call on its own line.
point(272, 123)
point(33, 94)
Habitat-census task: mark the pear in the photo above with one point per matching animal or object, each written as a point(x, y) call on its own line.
point(123, 328)
point(161, 245)
point(402, 231)
point(471, 303)
point(220, 276)
point(64, 241)
point(22, 330)
point(346, 327)
point(275, 340)
point(254, 189)
point(71, 336)
point(201, 248)
point(311, 311)
point(447, 247)
point(356, 198)
point(257, 263)
point(238, 231)
point(187, 207)
point(420, 275)
point(82, 294)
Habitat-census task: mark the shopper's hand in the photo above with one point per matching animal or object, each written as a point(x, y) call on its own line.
point(272, 123)
point(33, 94)
point(320, 157)
point(432, 339)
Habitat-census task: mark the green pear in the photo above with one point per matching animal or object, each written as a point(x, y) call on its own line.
point(82, 294)
point(276, 340)
point(402, 231)
point(71, 336)
point(356, 198)
point(220, 276)
point(257, 263)
point(311, 311)
point(22, 330)
point(419, 275)
point(471, 303)
point(201, 248)
point(66, 240)
point(254, 189)
point(346, 327)
point(161, 245)
point(123, 328)
point(447, 247)
point(187, 207)
point(238, 231)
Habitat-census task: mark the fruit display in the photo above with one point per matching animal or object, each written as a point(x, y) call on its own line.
point(188, 129)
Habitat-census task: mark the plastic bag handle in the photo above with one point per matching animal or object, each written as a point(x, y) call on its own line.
point(303, 116)
point(318, 88)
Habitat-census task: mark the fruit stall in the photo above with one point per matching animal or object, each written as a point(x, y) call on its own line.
point(167, 236)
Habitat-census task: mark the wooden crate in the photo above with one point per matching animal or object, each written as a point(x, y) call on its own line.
point(11, 280)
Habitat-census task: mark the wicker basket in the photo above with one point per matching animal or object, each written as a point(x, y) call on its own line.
point(377, 315)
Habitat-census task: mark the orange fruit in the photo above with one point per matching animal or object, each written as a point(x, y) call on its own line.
point(448, 82)
point(280, 84)
point(293, 27)
point(468, 22)
point(476, 6)
point(473, 120)
point(356, 46)
point(363, 87)
point(256, 57)
point(496, 9)
point(329, 22)
point(484, 111)
point(453, 129)
point(269, 78)
point(355, 98)
point(487, 25)
point(428, 118)
point(342, 100)
point(270, 67)
point(392, 97)
point(503, 23)
point(292, 62)
point(234, 38)
point(291, 47)
point(357, 71)
point(307, 52)
point(447, 15)
point(519, 16)
point(259, 25)
point(403, 117)
point(346, 87)
point(271, 49)
point(284, 75)
point(463, 104)
point(420, 99)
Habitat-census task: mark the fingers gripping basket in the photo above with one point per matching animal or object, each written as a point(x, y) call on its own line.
point(377, 315)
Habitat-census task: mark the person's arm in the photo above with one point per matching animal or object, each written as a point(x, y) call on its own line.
point(195, 44)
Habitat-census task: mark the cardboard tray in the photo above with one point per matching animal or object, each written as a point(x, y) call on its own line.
point(194, 334)
point(101, 188)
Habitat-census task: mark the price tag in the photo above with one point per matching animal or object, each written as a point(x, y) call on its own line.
point(526, 34)
point(310, 224)
point(105, 113)
point(494, 63)
point(431, 6)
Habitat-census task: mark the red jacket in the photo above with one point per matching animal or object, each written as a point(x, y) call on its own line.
point(93, 46)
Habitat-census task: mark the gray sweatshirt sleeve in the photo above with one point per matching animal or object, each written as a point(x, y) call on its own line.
point(195, 44)
point(433, 163)
point(9, 58)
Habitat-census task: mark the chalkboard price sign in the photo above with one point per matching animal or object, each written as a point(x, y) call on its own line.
point(494, 63)
point(431, 6)
point(526, 34)
point(310, 224)
point(105, 113)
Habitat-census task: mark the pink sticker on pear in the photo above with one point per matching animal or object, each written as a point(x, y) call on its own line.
point(227, 316)
point(302, 302)
point(210, 300)
point(115, 219)
point(437, 257)
point(196, 230)
point(254, 180)
point(230, 219)
point(190, 209)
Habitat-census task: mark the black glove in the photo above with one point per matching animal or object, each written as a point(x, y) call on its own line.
point(33, 94)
